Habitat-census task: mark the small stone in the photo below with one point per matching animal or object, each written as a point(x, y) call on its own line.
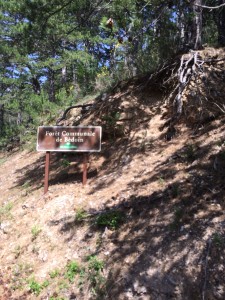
point(139, 289)
point(43, 256)
point(5, 227)
point(24, 193)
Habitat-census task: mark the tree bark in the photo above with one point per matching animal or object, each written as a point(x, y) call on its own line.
point(36, 85)
point(64, 75)
point(1, 118)
point(51, 85)
point(221, 25)
point(197, 25)
point(193, 30)
point(181, 26)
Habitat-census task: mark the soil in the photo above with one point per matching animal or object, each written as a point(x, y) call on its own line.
point(170, 241)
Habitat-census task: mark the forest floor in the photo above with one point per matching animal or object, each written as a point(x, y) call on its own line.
point(149, 224)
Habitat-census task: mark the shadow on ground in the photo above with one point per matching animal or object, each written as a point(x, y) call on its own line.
point(171, 244)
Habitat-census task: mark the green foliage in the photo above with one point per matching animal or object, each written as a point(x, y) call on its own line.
point(65, 162)
point(54, 53)
point(175, 190)
point(161, 180)
point(90, 273)
point(104, 79)
point(218, 239)
point(36, 287)
point(95, 277)
point(177, 218)
point(2, 160)
point(72, 270)
point(63, 285)
point(26, 184)
point(35, 231)
point(20, 272)
point(5, 210)
point(111, 220)
point(55, 273)
point(110, 125)
point(81, 215)
point(190, 153)
point(94, 264)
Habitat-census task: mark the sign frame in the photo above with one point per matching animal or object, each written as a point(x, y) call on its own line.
point(84, 151)
point(99, 128)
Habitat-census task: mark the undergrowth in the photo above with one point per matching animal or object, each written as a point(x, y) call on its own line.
point(86, 275)
point(111, 220)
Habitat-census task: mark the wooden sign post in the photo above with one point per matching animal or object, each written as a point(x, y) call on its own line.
point(47, 165)
point(84, 139)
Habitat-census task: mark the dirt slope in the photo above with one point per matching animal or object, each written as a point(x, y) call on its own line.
point(150, 224)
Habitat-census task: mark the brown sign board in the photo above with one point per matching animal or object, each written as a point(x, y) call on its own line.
point(69, 139)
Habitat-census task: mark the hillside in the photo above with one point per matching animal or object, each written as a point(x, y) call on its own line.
point(150, 223)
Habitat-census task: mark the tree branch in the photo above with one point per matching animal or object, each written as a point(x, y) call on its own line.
point(88, 16)
point(210, 7)
point(56, 11)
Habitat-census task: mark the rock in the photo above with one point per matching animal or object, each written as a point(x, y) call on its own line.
point(126, 159)
point(139, 289)
point(129, 295)
point(24, 193)
point(5, 227)
point(43, 256)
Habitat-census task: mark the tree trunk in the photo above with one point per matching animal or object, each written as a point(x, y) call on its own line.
point(221, 25)
point(19, 118)
point(181, 26)
point(64, 68)
point(64, 73)
point(1, 119)
point(75, 80)
point(197, 25)
point(36, 85)
point(193, 38)
point(51, 85)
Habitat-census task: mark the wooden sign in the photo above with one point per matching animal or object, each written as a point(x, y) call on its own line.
point(69, 139)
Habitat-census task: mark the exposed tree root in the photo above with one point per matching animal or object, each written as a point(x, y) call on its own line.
point(195, 88)
point(186, 70)
point(84, 107)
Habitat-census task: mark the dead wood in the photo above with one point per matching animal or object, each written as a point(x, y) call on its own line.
point(83, 106)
